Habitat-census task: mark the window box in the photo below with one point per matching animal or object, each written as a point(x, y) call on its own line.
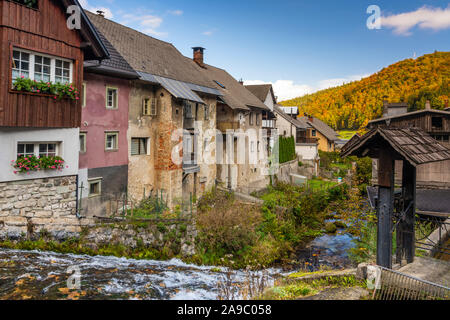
point(28, 164)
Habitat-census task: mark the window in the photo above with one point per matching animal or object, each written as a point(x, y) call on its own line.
point(111, 98)
point(38, 149)
point(25, 150)
point(146, 107)
point(39, 67)
point(28, 3)
point(139, 146)
point(42, 67)
point(47, 149)
point(111, 141)
point(258, 122)
point(314, 133)
point(83, 94)
point(21, 64)
point(252, 146)
point(219, 84)
point(436, 122)
point(250, 118)
point(95, 187)
point(83, 142)
point(257, 146)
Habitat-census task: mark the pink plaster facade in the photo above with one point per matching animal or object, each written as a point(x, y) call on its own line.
point(96, 120)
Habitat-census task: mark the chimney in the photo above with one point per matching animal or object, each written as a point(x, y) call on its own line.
point(101, 13)
point(241, 82)
point(198, 56)
point(428, 105)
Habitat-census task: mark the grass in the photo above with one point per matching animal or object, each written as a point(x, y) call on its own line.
point(346, 134)
point(318, 184)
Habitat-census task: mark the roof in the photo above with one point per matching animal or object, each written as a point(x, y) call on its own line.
point(96, 49)
point(300, 124)
point(235, 95)
point(408, 114)
point(322, 127)
point(147, 54)
point(413, 144)
point(179, 89)
point(115, 64)
point(261, 91)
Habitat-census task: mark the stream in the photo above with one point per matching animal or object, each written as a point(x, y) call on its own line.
point(44, 275)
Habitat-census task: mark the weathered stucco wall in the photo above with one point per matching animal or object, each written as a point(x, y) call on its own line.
point(29, 206)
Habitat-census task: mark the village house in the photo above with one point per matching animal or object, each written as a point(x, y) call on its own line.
point(171, 118)
point(242, 160)
point(39, 123)
point(306, 146)
point(435, 123)
point(325, 135)
point(265, 93)
point(104, 144)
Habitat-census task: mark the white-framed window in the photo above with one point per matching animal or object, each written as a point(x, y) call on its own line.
point(25, 150)
point(111, 141)
point(83, 136)
point(252, 146)
point(250, 118)
point(140, 146)
point(38, 149)
point(112, 98)
point(83, 94)
point(95, 187)
point(41, 67)
point(47, 149)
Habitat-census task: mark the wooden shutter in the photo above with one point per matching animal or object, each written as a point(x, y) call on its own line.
point(153, 110)
point(134, 146)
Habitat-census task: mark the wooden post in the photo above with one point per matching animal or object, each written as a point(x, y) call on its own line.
point(409, 196)
point(385, 208)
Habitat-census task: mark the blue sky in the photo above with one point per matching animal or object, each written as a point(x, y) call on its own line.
point(299, 46)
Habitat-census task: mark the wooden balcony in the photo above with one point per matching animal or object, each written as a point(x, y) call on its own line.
point(230, 125)
point(307, 140)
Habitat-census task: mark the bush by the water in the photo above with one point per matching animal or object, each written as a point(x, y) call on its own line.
point(238, 235)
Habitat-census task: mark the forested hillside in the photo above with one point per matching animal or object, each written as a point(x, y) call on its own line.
point(352, 105)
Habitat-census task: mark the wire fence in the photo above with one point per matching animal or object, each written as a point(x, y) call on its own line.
point(394, 285)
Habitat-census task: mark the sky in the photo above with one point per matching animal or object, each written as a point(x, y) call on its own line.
point(298, 46)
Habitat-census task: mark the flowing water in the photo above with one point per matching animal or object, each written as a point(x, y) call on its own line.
point(44, 275)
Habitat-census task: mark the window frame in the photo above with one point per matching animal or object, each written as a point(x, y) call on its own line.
point(116, 134)
point(146, 106)
point(36, 147)
point(116, 106)
point(250, 118)
point(83, 94)
point(98, 181)
point(146, 144)
point(84, 134)
point(31, 64)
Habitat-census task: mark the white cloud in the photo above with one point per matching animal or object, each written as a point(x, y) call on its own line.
point(176, 12)
point(208, 33)
point(288, 89)
point(285, 89)
point(425, 18)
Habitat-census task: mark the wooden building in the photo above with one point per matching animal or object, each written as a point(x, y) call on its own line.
point(42, 52)
point(434, 122)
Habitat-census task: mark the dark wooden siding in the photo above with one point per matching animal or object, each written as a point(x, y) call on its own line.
point(44, 31)
point(422, 121)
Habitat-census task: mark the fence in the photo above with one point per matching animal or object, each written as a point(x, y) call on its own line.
point(394, 285)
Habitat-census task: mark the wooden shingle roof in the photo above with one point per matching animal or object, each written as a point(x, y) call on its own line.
point(413, 144)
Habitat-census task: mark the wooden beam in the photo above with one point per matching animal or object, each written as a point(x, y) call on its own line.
point(409, 196)
point(385, 208)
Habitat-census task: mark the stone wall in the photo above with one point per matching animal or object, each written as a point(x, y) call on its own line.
point(29, 206)
point(285, 171)
point(177, 236)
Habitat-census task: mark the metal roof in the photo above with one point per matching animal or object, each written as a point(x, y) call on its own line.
point(179, 89)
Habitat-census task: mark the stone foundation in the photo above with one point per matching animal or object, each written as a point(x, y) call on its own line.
point(30, 206)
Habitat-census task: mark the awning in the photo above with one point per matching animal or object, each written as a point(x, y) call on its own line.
point(179, 89)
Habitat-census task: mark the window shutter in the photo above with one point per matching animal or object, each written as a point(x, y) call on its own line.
point(142, 146)
point(206, 112)
point(134, 147)
point(153, 111)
